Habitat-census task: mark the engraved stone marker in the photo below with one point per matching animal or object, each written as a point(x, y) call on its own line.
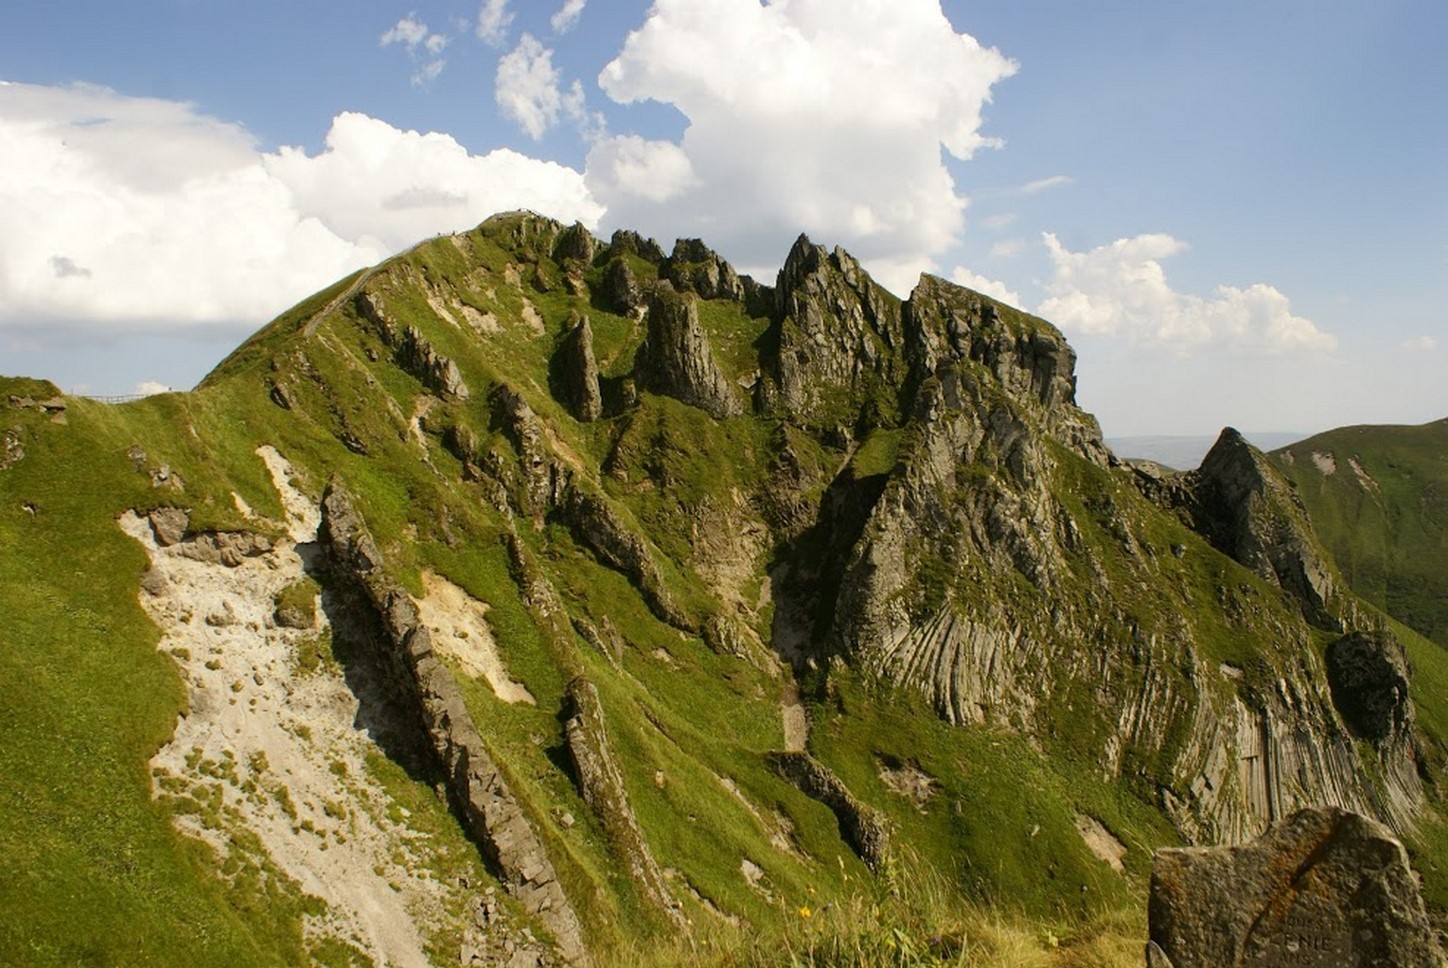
point(1323, 889)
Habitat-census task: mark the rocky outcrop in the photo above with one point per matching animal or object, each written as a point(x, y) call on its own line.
point(1247, 509)
point(862, 827)
point(1029, 359)
point(836, 352)
point(575, 372)
point(543, 477)
point(694, 267)
point(601, 785)
point(627, 241)
point(492, 813)
point(622, 548)
point(413, 351)
point(575, 244)
point(675, 359)
point(1368, 673)
point(620, 291)
point(1322, 889)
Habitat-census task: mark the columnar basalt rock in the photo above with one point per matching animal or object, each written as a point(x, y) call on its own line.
point(490, 810)
point(1322, 889)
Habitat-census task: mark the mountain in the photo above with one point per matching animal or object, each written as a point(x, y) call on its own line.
point(534, 597)
point(1379, 498)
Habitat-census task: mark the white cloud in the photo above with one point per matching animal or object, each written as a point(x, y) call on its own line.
point(1420, 344)
point(150, 388)
point(422, 46)
point(527, 88)
point(811, 115)
point(1043, 184)
point(998, 222)
point(125, 214)
point(1008, 248)
point(1120, 290)
point(992, 288)
point(494, 19)
point(629, 165)
point(567, 15)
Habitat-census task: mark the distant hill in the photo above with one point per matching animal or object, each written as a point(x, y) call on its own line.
point(1185, 453)
point(1378, 497)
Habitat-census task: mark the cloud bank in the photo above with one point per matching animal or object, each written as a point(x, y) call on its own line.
point(1121, 290)
point(122, 214)
point(810, 115)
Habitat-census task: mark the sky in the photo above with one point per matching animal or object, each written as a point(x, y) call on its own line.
point(1237, 211)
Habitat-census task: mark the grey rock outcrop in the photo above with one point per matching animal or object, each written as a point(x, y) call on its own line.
point(1368, 673)
point(229, 548)
point(413, 351)
point(862, 827)
point(627, 241)
point(168, 524)
point(694, 267)
point(575, 243)
point(601, 785)
point(620, 291)
point(837, 347)
point(1322, 889)
point(490, 810)
point(1247, 509)
point(575, 372)
point(675, 359)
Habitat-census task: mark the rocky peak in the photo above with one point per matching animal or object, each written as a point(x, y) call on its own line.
point(626, 241)
point(675, 359)
point(575, 372)
point(1030, 358)
point(695, 267)
point(1248, 510)
point(837, 356)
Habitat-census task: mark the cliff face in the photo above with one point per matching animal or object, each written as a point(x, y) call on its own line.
point(765, 584)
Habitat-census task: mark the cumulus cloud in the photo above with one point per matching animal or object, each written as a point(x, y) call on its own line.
point(1420, 344)
point(527, 89)
point(996, 290)
point(494, 19)
point(149, 388)
point(567, 15)
point(655, 171)
point(124, 214)
point(1120, 290)
point(819, 115)
point(422, 45)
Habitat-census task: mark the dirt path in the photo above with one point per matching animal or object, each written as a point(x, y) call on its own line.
point(796, 722)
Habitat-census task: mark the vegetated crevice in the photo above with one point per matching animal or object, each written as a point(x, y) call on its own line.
point(487, 805)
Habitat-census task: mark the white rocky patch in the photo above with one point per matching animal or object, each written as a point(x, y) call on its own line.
point(460, 630)
point(1364, 478)
point(1102, 842)
point(1325, 463)
point(277, 751)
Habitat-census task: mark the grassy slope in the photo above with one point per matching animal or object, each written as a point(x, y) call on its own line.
point(1389, 535)
point(93, 694)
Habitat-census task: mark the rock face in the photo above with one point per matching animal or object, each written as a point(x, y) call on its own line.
point(860, 825)
point(600, 783)
point(1245, 507)
point(694, 267)
point(492, 813)
point(837, 344)
point(1323, 889)
point(675, 359)
point(575, 373)
point(414, 353)
point(1368, 673)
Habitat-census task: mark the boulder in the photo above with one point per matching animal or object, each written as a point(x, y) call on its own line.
point(1325, 887)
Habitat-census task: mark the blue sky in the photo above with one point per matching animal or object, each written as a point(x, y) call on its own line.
point(1238, 212)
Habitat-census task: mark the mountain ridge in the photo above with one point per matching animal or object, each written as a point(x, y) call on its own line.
point(678, 494)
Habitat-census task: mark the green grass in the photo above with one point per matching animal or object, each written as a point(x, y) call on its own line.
point(1388, 533)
